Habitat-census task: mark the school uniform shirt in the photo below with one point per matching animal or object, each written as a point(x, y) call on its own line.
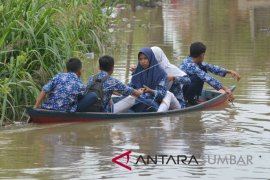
point(159, 92)
point(109, 86)
point(63, 91)
point(192, 68)
point(177, 88)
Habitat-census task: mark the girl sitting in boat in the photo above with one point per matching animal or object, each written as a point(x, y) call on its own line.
point(153, 79)
point(176, 77)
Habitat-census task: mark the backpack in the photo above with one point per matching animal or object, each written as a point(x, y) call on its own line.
point(97, 87)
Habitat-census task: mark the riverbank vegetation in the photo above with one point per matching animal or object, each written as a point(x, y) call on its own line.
point(36, 38)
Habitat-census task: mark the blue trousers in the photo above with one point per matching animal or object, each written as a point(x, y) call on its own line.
point(194, 89)
point(86, 102)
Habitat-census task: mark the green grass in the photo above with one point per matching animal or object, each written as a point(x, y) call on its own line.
point(36, 38)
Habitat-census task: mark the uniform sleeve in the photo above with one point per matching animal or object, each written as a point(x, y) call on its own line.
point(217, 70)
point(90, 81)
point(193, 69)
point(132, 85)
point(185, 80)
point(82, 89)
point(161, 90)
point(118, 86)
point(47, 88)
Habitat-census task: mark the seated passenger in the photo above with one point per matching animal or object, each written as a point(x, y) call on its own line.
point(65, 90)
point(104, 86)
point(194, 66)
point(153, 79)
point(176, 77)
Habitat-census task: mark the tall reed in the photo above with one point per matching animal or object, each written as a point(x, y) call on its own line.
point(36, 38)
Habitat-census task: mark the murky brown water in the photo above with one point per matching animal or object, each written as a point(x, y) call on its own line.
point(237, 34)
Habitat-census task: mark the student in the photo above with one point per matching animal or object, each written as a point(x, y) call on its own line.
point(176, 77)
point(110, 85)
point(153, 79)
point(194, 66)
point(65, 89)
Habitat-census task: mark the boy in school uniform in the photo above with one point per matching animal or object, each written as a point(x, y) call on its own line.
point(66, 92)
point(197, 71)
point(110, 85)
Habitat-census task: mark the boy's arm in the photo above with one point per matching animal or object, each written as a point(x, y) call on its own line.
point(223, 72)
point(228, 92)
point(82, 91)
point(217, 70)
point(234, 74)
point(121, 88)
point(220, 71)
point(115, 85)
point(193, 69)
point(213, 82)
point(185, 80)
point(40, 98)
point(45, 90)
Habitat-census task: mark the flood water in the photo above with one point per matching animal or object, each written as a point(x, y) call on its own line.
point(237, 35)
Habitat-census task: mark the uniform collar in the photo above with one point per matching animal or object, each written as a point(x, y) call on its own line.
point(73, 74)
point(104, 73)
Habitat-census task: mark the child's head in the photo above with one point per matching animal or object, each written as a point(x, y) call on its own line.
point(197, 50)
point(106, 63)
point(74, 65)
point(143, 60)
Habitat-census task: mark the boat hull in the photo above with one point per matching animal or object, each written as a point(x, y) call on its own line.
point(47, 116)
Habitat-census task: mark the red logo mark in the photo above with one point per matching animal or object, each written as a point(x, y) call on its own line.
point(114, 160)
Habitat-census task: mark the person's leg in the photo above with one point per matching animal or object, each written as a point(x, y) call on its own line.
point(194, 89)
point(174, 102)
point(145, 105)
point(169, 102)
point(165, 104)
point(84, 105)
point(124, 104)
point(163, 107)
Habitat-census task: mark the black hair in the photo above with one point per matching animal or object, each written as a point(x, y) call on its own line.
point(106, 63)
point(196, 49)
point(73, 65)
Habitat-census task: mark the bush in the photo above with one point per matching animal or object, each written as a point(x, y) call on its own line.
point(37, 37)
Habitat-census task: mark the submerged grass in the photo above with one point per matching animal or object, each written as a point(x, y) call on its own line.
point(36, 38)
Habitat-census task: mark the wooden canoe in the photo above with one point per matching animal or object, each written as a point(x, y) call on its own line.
point(209, 98)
